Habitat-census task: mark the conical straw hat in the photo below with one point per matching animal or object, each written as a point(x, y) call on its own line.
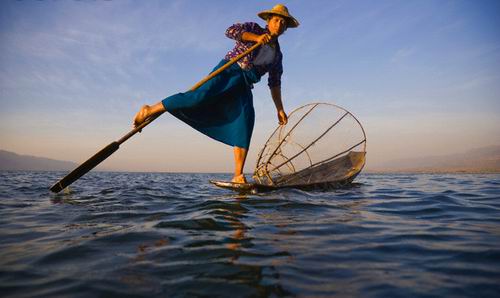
point(282, 11)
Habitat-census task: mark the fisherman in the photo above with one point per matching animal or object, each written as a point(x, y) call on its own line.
point(222, 108)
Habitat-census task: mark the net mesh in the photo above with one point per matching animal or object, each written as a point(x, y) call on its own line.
point(321, 144)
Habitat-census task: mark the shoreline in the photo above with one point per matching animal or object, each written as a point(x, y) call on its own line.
point(433, 171)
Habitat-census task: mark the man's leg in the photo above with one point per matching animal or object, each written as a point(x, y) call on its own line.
point(240, 155)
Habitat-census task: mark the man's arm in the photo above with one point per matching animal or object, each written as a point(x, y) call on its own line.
point(249, 36)
point(276, 95)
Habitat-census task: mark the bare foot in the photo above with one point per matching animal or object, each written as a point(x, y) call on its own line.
point(239, 179)
point(142, 115)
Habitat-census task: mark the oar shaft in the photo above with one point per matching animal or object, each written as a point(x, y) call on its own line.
point(196, 86)
point(111, 148)
point(138, 128)
point(222, 68)
point(85, 167)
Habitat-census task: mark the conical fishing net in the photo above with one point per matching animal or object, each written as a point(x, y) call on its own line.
point(322, 144)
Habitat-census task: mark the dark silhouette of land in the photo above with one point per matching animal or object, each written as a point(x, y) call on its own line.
point(10, 161)
point(480, 160)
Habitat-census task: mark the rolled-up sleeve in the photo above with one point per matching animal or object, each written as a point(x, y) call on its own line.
point(275, 73)
point(236, 31)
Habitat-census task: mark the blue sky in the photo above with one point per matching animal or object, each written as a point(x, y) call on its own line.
point(422, 76)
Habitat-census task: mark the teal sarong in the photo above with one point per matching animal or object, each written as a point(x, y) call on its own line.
point(222, 108)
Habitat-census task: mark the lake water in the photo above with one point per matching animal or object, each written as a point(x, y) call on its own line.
point(176, 235)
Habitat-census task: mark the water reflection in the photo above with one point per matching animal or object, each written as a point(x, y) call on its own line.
point(235, 217)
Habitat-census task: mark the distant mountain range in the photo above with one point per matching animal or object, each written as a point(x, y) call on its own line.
point(480, 160)
point(16, 162)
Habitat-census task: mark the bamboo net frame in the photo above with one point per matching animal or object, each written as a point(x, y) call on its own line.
point(275, 168)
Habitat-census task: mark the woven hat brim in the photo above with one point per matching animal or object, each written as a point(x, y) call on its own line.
point(291, 22)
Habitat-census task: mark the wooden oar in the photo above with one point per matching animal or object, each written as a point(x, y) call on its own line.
point(111, 148)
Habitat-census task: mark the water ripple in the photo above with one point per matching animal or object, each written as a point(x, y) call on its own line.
point(158, 234)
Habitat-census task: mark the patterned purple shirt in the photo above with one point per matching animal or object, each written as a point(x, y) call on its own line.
point(275, 68)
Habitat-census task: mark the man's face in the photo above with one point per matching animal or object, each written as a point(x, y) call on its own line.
point(276, 25)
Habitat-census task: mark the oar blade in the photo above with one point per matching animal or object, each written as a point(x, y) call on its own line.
point(85, 167)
